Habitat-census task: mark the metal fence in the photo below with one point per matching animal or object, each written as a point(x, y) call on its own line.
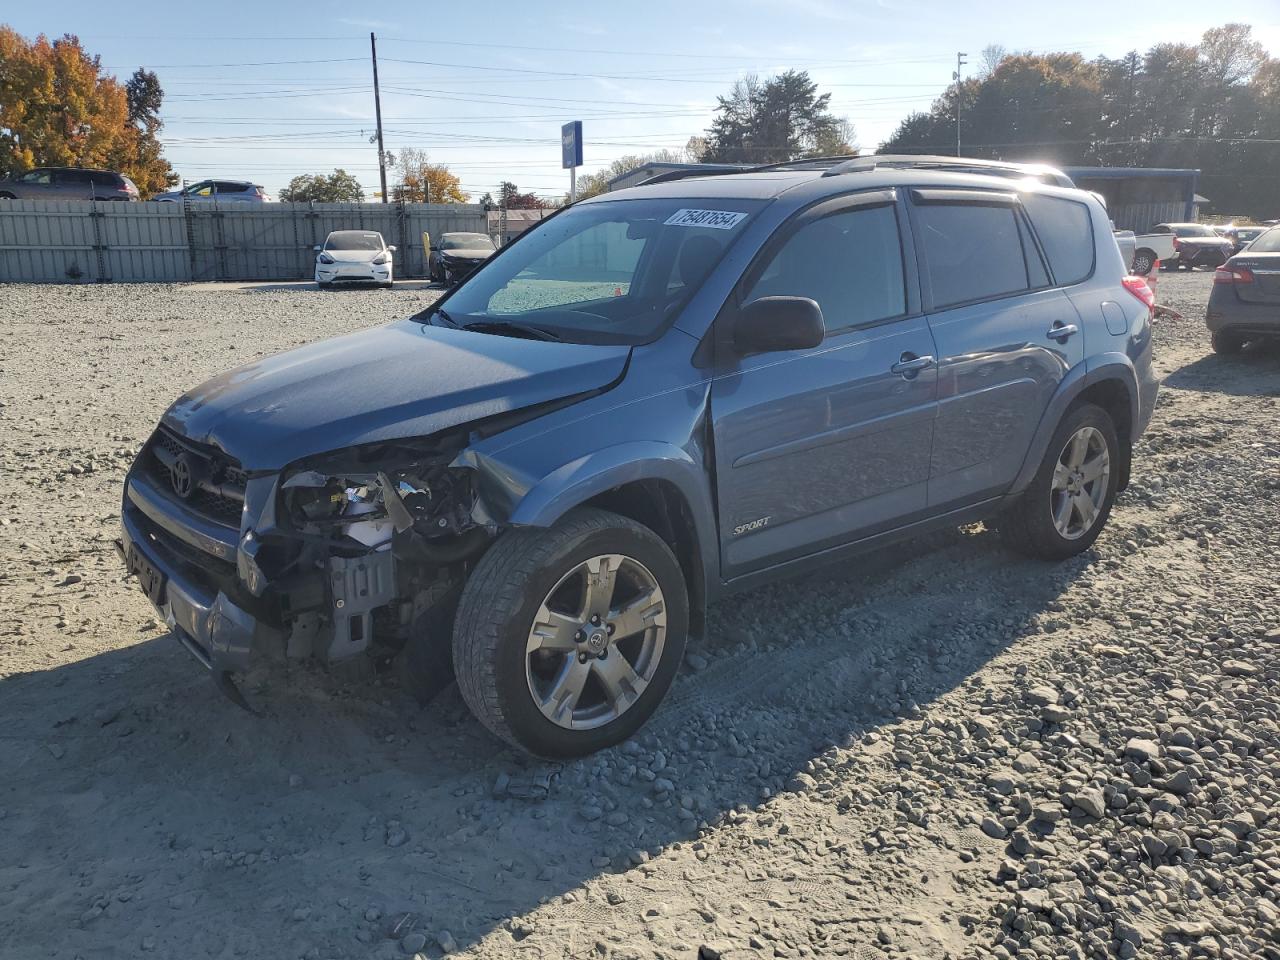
point(55, 241)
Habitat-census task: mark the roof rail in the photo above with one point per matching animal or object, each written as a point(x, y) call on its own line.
point(720, 170)
point(997, 168)
point(710, 170)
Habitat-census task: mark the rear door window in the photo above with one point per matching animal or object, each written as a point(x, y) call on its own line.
point(850, 262)
point(1066, 234)
point(77, 177)
point(970, 251)
point(226, 187)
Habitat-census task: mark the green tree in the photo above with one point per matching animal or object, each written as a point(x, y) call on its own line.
point(337, 187)
point(509, 196)
point(782, 118)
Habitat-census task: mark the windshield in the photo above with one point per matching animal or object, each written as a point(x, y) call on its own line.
point(465, 241)
point(353, 240)
point(1193, 230)
point(1269, 242)
point(606, 272)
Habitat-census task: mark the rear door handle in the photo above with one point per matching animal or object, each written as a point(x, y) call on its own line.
point(910, 365)
point(1061, 331)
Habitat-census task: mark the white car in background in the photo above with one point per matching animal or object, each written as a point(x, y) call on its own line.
point(354, 256)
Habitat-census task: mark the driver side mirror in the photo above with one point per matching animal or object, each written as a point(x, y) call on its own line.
point(318, 247)
point(772, 324)
point(391, 248)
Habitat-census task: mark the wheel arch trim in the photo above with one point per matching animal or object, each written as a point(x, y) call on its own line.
point(1106, 367)
point(597, 473)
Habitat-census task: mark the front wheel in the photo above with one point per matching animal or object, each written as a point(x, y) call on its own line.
point(567, 638)
point(1065, 507)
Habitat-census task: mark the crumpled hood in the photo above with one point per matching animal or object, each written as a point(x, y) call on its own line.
point(406, 379)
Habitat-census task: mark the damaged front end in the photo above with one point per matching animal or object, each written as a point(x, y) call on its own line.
point(340, 557)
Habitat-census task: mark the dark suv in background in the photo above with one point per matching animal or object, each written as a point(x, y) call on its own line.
point(652, 399)
point(68, 183)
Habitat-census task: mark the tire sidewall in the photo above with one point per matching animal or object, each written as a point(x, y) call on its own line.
point(525, 721)
point(1040, 517)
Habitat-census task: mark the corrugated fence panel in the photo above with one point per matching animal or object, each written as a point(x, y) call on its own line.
point(144, 242)
point(58, 241)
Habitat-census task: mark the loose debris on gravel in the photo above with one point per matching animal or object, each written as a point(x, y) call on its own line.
point(941, 751)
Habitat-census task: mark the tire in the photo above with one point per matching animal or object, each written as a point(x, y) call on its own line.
point(535, 576)
point(7, 196)
point(321, 285)
point(1030, 526)
point(1168, 266)
point(1143, 261)
point(425, 665)
point(1228, 343)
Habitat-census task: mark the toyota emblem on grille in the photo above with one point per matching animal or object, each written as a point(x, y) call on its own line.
point(180, 476)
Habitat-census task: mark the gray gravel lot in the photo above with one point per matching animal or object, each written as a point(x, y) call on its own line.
point(939, 751)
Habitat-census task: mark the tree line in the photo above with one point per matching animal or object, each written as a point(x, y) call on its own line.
point(58, 108)
point(1212, 106)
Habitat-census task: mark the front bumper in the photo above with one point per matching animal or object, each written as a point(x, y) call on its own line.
point(219, 632)
point(458, 270)
point(353, 273)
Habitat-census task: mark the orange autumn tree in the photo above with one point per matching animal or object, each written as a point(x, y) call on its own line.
point(58, 108)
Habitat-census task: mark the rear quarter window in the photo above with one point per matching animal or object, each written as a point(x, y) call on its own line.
point(104, 179)
point(1066, 234)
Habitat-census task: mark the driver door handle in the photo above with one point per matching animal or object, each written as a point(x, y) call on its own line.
point(909, 365)
point(1061, 331)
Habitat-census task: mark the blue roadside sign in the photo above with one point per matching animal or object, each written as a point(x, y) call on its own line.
point(571, 145)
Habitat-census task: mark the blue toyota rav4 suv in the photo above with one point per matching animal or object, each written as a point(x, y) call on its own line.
point(654, 398)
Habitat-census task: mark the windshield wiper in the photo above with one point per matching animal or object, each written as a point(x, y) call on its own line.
point(443, 314)
point(511, 328)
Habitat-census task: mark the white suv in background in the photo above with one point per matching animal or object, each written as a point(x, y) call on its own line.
point(354, 256)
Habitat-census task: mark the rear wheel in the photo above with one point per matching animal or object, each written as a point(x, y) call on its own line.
point(1067, 503)
point(1143, 261)
point(1227, 342)
point(567, 638)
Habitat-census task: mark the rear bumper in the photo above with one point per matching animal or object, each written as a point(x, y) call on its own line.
point(1229, 312)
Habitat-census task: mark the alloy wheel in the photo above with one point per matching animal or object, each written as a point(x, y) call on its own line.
point(1081, 478)
point(596, 642)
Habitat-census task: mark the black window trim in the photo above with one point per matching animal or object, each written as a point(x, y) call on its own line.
point(932, 196)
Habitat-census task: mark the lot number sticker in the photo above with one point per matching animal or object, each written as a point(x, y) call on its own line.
point(715, 219)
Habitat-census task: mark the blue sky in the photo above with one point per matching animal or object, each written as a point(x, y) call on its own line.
point(265, 91)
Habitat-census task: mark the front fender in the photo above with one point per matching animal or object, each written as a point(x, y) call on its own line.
point(1105, 366)
point(581, 479)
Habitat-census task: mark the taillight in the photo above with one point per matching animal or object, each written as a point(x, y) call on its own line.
point(1177, 244)
point(1138, 287)
point(1229, 274)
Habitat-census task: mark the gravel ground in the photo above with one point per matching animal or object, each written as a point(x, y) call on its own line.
point(936, 752)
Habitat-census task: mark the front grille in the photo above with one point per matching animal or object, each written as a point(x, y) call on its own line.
point(215, 483)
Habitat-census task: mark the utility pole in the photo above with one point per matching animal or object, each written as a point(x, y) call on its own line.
point(960, 61)
point(377, 108)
